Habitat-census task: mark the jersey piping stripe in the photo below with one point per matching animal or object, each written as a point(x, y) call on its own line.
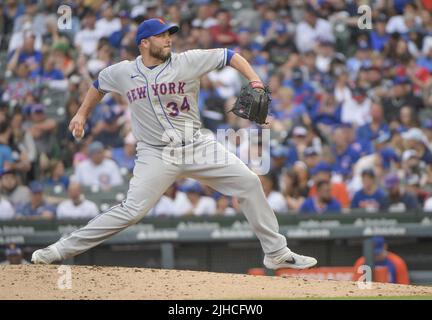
point(160, 102)
point(148, 94)
point(98, 216)
point(118, 205)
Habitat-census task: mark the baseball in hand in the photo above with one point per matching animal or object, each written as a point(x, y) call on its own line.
point(78, 138)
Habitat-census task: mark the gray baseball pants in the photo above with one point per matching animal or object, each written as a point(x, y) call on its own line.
point(153, 174)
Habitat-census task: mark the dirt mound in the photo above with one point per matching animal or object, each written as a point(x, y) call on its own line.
point(92, 282)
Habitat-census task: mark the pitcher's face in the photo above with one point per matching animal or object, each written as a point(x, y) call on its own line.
point(160, 46)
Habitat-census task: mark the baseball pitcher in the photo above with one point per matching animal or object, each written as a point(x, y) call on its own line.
point(162, 89)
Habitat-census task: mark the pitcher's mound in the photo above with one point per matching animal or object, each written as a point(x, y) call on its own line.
point(91, 282)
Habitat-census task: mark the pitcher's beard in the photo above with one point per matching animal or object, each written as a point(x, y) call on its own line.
point(158, 54)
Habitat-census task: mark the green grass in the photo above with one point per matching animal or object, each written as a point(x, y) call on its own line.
point(377, 298)
point(362, 298)
point(351, 298)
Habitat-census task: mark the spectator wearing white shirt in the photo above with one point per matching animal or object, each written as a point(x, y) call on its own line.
point(76, 207)
point(33, 16)
point(275, 199)
point(7, 211)
point(12, 190)
point(18, 38)
point(224, 205)
point(311, 30)
point(428, 205)
point(109, 23)
point(342, 92)
point(361, 58)
point(87, 39)
point(205, 16)
point(404, 23)
point(98, 170)
point(198, 204)
point(226, 81)
point(173, 203)
point(356, 110)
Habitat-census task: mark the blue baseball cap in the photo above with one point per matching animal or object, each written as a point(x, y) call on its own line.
point(153, 27)
point(244, 29)
point(321, 167)
point(279, 151)
point(401, 80)
point(124, 14)
point(427, 124)
point(95, 147)
point(36, 187)
point(400, 130)
point(281, 28)
point(13, 250)
point(217, 195)
point(38, 108)
point(191, 186)
point(378, 244)
point(391, 180)
point(363, 45)
point(345, 125)
point(255, 46)
point(388, 155)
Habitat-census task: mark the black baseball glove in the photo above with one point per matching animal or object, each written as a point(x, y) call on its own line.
point(253, 102)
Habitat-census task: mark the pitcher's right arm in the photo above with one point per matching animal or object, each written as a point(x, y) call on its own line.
point(107, 81)
point(92, 98)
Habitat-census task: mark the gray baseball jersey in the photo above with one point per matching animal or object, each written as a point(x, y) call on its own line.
point(164, 98)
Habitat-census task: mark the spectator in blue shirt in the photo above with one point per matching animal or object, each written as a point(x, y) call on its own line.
point(426, 60)
point(299, 143)
point(26, 54)
point(311, 157)
point(37, 207)
point(279, 154)
point(379, 37)
point(116, 37)
point(48, 71)
point(362, 57)
point(106, 131)
point(370, 197)
point(57, 176)
point(298, 84)
point(323, 202)
point(370, 131)
point(284, 109)
point(389, 156)
point(345, 152)
point(13, 9)
point(6, 158)
point(385, 150)
point(125, 156)
point(325, 111)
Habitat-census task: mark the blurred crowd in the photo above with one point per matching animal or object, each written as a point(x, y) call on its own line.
point(350, 119)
